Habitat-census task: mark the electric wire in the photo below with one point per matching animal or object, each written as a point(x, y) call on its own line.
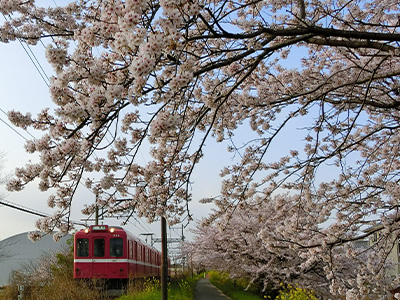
point(142, 228)
point(127, 161)
point(37, 65)
point(42, 74)
point(15, 129)
point(45, 78)
point(33, 59)
point(30, 210)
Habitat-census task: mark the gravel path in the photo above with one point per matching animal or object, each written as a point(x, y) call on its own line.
point(206, 291)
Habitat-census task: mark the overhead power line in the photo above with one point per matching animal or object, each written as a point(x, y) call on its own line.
point(45, 78)
point(32, 57)
point(35, 62)
point(22, 208)
point(30, 210)
point(13, 129)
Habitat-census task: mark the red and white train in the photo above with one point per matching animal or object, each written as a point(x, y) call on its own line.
point(114, 255)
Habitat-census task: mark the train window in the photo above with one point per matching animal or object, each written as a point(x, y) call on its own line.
point(116, 247)
point(82, 247)
point(99, 246)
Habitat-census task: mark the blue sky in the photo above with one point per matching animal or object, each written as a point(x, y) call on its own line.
point(23, 89)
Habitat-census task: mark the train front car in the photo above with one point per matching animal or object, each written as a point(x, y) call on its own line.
point(113, 255)
point(101, 252)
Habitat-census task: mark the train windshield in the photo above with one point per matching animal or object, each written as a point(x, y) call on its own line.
point(99, 246)
point(82, 247)
point(116, 247)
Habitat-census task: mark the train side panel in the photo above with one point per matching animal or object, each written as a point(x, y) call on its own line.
point(113, 254)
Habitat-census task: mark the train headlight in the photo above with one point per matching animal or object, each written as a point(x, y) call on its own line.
point(86, 230)
point(112, 230)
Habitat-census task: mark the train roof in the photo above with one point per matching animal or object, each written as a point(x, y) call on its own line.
point(102, 228)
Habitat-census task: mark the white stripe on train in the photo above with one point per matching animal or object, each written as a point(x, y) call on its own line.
point(113, 260)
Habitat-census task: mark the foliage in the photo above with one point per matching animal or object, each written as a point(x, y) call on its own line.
point(9, 292)
point(177, 290)
point(305, 94)
point(50, 277)
point(295, 293)
point(236, 289)
point(148, 290)
point(183, 291)
point(241, 289)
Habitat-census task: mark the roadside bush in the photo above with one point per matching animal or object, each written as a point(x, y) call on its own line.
point(9, 292)
point(148, 289)
point(151, 290)
point(295, 293)
point(236, 289)
point(239, 289)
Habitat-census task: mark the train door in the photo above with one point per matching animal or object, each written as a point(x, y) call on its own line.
point(130, 250)
point(140, 264)
point(82, 258)
point(130, 258)
point(99, 263)
point(135, 259)
point(146, 260)
point(135, 247)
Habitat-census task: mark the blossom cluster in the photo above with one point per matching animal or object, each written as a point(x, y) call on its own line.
point(164, 123)
point(57, 56)
point(9, 6)
point(181, 81)
point(305, 95)
point(263, 242)
point(20, 120)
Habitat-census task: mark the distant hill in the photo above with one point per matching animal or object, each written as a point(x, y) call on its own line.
point(17, 251)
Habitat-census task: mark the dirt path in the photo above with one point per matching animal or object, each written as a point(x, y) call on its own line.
point(206, 291)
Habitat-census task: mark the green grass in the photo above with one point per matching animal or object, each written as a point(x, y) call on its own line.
point(150, 290)
point(233, 289)
point(236, 289)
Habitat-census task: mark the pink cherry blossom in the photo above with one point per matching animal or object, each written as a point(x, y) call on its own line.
point(304, 95)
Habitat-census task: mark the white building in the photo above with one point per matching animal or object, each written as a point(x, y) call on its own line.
point(18, 251)
point(394, 255)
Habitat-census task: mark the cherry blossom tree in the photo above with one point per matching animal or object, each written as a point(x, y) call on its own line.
point(271, 242)
point(169, 77)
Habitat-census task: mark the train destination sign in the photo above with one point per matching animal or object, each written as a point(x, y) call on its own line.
point(99, 227)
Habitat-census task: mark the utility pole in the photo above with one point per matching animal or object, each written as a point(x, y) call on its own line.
point(169, 240)
point(96, 221)
point(164, 260)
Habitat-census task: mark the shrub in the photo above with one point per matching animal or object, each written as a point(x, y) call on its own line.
point(150, 290)
point(9, 292)
point(236, 289)
point(295, 293)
